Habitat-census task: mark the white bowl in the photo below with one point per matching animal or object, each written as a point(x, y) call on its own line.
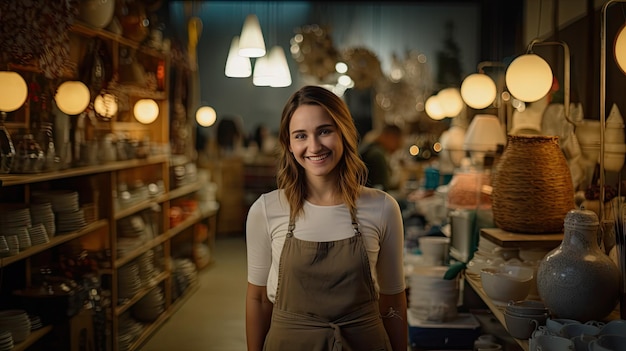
point(503, 287)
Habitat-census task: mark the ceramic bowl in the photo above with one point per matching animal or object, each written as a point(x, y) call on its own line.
point(521, 327)
point(527, 307)
point(502, 286)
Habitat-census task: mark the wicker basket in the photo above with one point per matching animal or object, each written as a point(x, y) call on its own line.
point(532, 186)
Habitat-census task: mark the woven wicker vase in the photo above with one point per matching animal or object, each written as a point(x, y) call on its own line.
point(532, 186)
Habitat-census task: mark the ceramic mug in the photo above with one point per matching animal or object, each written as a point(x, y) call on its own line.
point(555, 324)
point(571, 330)
point(581, 342)
point(553, 343)
point(608, 343)
point(614, 327)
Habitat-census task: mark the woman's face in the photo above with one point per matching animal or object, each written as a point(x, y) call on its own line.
point(314, 140)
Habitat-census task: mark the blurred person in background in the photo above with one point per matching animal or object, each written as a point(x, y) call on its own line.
point(376, 151)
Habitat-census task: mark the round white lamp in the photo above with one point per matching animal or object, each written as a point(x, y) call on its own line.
point(206, 116)
point(529, 78)
point(433, 108)
point(478, 90)
point(13, 91)
point(72, 97)
point(105, 105)
point(450, 101)
point(146, 111)
point(620, 49)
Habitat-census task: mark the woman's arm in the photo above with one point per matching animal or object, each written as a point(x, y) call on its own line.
point(393, 310)
point(258, 316)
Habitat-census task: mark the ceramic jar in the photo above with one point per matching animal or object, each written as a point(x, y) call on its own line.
point(577, 280)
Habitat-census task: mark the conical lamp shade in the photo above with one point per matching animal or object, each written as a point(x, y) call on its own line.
point(237, 66)
point(281, 76)
point(251, 43)
point(262, 76)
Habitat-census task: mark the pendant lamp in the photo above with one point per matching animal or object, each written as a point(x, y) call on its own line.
point(281, 76)
point(146, 111)
point(478, 91)
point(251, 43)
point(262, 76)
point(529, 78)
point(206, 116)
point(237, 66)
point(72, 97)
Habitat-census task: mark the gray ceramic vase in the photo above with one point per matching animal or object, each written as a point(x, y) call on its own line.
point(577, 280)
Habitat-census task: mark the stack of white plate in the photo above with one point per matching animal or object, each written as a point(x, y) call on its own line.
point(132, 227)
point(6, 340)
point(61, 200)
point(35, 322)
point(128, 280)
point(14, 218)
point(431, 297)
point(66, 207)
point(145, 262)
point(126, 245)
point(16, 322)
point(149, 307)
point(42, 213)
point(38, 234)
point(22, 234)
point(129, 329)
point(70, 221)
point(187, 269)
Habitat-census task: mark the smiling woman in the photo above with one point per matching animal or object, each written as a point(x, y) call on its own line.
point(323, 222)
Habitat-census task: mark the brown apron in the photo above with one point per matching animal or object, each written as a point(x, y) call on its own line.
point(325, 299)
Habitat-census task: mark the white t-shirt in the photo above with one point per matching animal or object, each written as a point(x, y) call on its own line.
point(380, 223)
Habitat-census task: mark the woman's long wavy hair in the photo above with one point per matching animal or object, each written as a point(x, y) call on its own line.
point(352, 172)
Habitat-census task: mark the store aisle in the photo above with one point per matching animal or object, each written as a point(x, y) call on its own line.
point(213, 318)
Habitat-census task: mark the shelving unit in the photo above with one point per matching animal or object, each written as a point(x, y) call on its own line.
point(100, 186)
point(507, 239)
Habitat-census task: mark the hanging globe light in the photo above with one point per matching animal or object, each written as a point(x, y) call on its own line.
point(529, 78)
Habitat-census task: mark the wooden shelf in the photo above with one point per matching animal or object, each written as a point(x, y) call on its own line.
point(498, 311)
point(507, 239)
point(21, 179)
point(34, 336)
point(58, 239)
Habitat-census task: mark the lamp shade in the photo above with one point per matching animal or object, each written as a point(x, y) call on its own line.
point(237, 66)
point(529, 78)
point(451, 101)
point(484, 133)
point(13, 91)
point(433, 108)
point(281, 76)
point(262, 76)
point(620, 49)
point(146, 111)
point(72, 97)
point(206, 116)
point(105, 105)
point(251, 43)
point(478, 90)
